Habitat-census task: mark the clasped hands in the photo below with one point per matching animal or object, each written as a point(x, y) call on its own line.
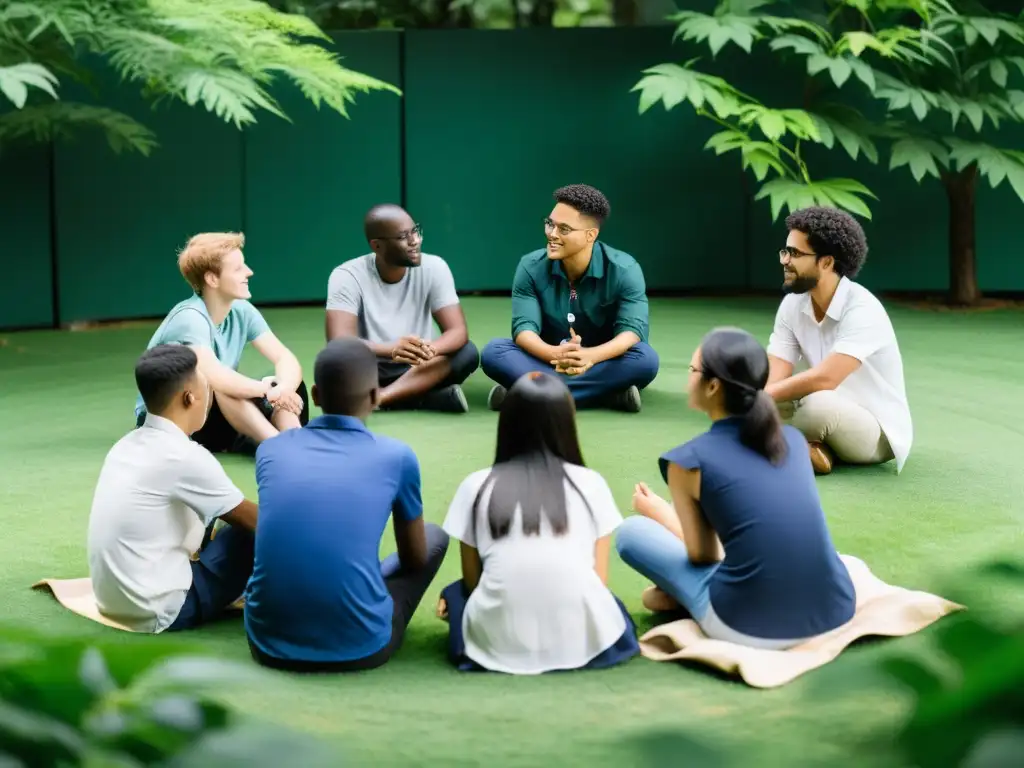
point(413, 350)
point(280, 398)
point(571, 357)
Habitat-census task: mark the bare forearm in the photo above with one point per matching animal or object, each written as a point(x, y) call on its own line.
point(535, 346)
point(288, 373)
point(451, 341)
point(617, 347)
point(233, 384)
point(798, 386)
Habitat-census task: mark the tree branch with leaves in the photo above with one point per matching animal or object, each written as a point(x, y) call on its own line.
point(222, 55)
point(923, 62)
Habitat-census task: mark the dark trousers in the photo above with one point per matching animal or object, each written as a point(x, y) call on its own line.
point(504, 362)
point(407, 588)
point(219, 577)
point(456, 597)
point(463, 363)
point(218, 436)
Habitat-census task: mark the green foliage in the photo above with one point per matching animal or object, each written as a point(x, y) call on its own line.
point(68, 701)
point(479, 14)
point(939, 75)
point(219, 54)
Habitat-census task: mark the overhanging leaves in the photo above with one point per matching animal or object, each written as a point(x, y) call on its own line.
point(222, 55)
point(923, 157)
point(792, 195)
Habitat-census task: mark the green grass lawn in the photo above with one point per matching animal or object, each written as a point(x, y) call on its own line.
point(67, 397)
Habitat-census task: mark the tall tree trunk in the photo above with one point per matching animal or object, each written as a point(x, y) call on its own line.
point(625, 13)
point(543, 13)
point(963, 273)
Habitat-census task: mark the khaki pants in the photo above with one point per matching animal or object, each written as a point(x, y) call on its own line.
point(853, 434)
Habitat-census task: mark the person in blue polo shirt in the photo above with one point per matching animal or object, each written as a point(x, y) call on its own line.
point(319, 598)
point(744, 546)
point(579, 309)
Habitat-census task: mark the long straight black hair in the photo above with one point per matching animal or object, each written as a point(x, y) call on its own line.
point(740, 363)
point(536, 434)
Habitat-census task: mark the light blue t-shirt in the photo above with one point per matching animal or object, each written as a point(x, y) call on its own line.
point(189, 323)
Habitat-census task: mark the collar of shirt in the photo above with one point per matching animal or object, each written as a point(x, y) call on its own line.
point(595, 268)
point(835, 307)
point(337, 422)
point(163, 425)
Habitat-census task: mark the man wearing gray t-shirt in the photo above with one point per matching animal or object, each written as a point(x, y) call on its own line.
point(391, 298)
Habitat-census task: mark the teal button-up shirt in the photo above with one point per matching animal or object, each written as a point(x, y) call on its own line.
point(610, 298)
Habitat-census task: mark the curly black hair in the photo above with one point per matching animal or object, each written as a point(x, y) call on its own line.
point(835, 233)
point(585, 199)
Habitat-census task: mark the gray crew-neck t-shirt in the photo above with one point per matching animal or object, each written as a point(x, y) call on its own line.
point(388, 311)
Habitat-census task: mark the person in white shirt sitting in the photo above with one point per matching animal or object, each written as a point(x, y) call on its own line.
point(157, 493)
point(851, 402)
point(535, 532)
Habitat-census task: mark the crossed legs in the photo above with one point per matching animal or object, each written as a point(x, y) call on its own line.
point(433, 384)
point(837, 427)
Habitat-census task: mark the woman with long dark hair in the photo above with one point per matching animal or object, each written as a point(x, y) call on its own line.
point(744, 546)
point(535, 532)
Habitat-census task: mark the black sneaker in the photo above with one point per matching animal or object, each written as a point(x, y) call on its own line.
point(496, 397)
point(628, 401)
point(447, 400)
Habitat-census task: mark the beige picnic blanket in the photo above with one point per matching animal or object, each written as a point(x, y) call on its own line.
point(77, 596)
point(882, 610)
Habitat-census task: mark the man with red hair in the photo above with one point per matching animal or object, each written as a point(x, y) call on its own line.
point(217, 321)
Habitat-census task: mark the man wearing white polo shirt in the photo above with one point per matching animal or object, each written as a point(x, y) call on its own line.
point(157, 493)
point(851, 402)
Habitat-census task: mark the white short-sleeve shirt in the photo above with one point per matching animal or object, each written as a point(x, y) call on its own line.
point(540, 605)
point(157, 492)
point(388, 311)
point(855, 324)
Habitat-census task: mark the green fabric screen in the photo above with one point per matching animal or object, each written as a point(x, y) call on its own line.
point(26, 291)
point(496, 120)
point(121, 218)
point(309, 182)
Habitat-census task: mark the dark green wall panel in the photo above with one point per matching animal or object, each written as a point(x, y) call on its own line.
point(309, 182)
point(26, 291)
point(121, 219)
point(496, 120)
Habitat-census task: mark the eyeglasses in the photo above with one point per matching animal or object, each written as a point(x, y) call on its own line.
point(563, 229)
point(789, 252)
point(416, 231)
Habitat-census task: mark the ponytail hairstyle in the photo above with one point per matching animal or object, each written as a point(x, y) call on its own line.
point(740, 363)
point(536, 434)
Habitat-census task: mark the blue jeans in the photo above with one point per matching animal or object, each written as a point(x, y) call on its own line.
point(219, 577)
point(504, 363)
point(654, 551)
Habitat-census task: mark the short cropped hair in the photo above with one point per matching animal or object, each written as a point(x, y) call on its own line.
point(162, 372)
point(835, 233)
point(585, 199)
point(205, 253)
point(345, 372)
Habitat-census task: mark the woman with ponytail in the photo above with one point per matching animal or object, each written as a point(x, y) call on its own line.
point(535, 531)
point(744, 546)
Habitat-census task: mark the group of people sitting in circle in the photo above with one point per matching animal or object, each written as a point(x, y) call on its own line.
point(741, 544)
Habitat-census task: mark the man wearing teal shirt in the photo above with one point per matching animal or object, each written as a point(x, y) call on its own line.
point(578, 306)
point(217, 322)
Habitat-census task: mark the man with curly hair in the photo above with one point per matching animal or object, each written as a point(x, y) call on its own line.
point(851, 402)
point(579, 307)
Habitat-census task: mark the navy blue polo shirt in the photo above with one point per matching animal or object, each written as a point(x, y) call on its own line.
point(781, 577)
point(326, 492)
